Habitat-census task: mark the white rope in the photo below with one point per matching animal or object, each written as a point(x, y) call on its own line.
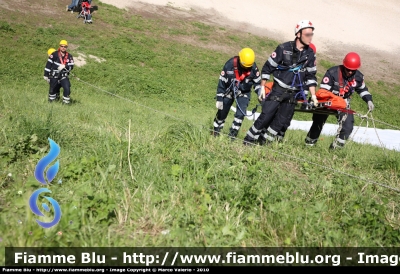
point(372, 119)
point(365, 117)
point(286, 155)
point(166, 114)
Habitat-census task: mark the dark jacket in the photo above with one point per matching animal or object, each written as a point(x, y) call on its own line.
point(287, 60)
point(54, 61)
point(331, 82)
point(227, 79)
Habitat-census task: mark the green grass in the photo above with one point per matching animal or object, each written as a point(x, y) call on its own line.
point(140, 168)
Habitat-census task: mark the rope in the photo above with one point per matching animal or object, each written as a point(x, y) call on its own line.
point(112, 94)
point(342, 120)
point(235, 91)
point(284, 154)
point(365, 117)
point(376, 132)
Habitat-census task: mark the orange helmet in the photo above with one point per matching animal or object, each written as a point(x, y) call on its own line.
point(352, 61)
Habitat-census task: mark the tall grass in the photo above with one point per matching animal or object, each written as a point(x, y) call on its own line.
point(138, 166)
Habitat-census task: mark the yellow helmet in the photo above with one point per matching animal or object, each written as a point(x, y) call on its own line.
point(247, 57)
point(63, 42)
point(50, 51)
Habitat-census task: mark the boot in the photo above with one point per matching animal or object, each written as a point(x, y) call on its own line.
point(261, 140)
point(280, 136)
point(336, 145)
point(233, 133)
point(66, 101)
point(310, 142)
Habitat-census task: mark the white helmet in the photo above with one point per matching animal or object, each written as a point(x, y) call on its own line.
point(303, 24)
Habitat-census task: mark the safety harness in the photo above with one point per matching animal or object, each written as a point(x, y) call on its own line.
point(238, 77)
point(235, 85)
point(296, 69)
point(343, 89)
point(64, 72)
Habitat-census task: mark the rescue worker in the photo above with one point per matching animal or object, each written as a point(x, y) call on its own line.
point(50, 52)
point(262, 140)
point(342, 81)
point(57, 69)
point(293, 65)
point(238, 76)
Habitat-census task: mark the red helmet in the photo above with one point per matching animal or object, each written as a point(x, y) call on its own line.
point(352, 61)
point(312, 46)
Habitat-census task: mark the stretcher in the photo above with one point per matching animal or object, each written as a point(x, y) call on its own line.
point(321, 108)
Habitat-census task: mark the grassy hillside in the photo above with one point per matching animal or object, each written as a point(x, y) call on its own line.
point(141, 169)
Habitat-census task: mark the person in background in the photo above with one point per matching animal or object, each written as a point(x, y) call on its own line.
point(238, 76)
point(72, 6)
point(50, 51)
point(58, 67)
point(340, 81)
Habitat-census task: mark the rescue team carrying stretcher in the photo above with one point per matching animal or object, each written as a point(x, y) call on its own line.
point(293, 67)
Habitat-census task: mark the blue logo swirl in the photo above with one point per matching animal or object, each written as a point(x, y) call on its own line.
point(57, 210)
point(50, 175)
point(52, 171)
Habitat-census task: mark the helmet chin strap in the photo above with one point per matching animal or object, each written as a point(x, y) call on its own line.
point(301, 41)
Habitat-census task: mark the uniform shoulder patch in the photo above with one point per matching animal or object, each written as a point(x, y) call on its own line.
point(273, 55)
point(325, 80)
point(258, 73)
point(222, 73)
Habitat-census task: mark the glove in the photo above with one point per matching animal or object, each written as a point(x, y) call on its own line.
point(261, 94)
point(370, 106)
point(314, 99)
point(61, 67)
point(46, 78)
point(219, 105)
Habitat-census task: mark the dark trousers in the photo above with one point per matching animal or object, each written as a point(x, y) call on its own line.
point(55, 87)
point(346, 124)
point(277, 113)
point(281, 133)
point(241, 108)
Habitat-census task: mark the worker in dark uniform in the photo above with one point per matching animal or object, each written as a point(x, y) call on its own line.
point(50, 52)
point(238, 76)
point(57, 70)
point(343, 81)
point(293, 65)
point(262, 139)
